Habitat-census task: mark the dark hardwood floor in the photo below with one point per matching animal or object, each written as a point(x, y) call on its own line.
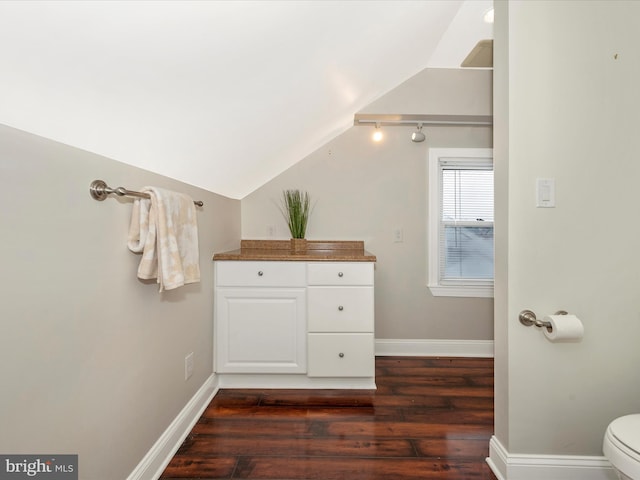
point(430, 418)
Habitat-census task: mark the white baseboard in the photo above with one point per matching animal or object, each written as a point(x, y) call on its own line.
point(156, 459)
point(434, 348)
point(508, 466)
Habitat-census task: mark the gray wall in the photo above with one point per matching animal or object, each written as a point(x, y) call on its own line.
point(92, 358)
point(363, 191)
point(572, 112)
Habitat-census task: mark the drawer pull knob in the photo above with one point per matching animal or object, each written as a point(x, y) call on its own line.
point(341, 355)
point(260, 273)
point(340, 274)
point(341, 308)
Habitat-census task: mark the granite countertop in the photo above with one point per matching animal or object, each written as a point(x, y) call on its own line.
point(316, 250)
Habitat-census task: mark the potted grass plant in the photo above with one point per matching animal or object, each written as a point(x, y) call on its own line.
point(296, 207)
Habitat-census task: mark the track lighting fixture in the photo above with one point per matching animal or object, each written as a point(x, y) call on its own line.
point(377, 134)
point(418, 136)
point(418, 120)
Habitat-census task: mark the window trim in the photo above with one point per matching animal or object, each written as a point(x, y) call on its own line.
point(465, 288)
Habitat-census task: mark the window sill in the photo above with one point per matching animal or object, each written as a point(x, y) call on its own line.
point(481, 291)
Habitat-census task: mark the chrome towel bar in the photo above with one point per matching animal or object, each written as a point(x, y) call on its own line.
point(99, 190)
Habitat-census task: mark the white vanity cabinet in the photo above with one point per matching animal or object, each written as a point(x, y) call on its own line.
point(294, 323)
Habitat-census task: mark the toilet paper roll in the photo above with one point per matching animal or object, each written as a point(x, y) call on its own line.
point(564, 328)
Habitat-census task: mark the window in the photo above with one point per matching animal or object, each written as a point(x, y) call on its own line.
point(460, 240)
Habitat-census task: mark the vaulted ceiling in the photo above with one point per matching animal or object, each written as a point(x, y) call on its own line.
point(223, 95)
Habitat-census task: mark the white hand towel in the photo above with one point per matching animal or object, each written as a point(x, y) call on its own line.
point(165, 230)
point(139, 227)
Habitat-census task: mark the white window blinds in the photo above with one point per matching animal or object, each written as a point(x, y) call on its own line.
point(466, 221)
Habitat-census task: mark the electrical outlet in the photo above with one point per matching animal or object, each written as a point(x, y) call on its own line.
point(271, 231)
point(188, 366)
point(398, 236)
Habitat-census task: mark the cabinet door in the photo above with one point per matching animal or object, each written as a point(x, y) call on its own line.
point(260, 330)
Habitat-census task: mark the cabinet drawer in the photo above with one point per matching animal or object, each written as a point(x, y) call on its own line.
point(340, 355)
point(260, 274)
point(340, 309)
point(330, 273)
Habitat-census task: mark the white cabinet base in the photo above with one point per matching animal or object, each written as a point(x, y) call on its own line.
point(290, 381)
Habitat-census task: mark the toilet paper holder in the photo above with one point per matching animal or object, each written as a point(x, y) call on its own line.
point(528, 318)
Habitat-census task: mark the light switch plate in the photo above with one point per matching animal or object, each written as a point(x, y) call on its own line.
point(545, 192)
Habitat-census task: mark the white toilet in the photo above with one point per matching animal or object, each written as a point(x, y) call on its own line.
point(621, 446)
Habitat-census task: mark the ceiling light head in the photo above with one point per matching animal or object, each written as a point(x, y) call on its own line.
point(418, 136)
point(377, 134)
